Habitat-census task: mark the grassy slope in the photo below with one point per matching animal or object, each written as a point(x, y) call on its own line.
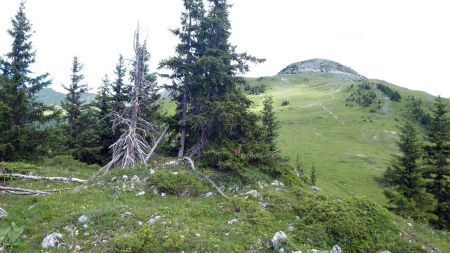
point(349, 158)
point(194, 223)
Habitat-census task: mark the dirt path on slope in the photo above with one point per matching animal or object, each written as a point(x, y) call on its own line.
point(332, 114)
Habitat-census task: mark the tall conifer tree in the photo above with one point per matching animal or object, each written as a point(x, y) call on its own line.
point(19, 136)
point(270, 123)
point(437, 155)
point(406, 191)
point(121, 90)
point(73, 104)
point(183, 66)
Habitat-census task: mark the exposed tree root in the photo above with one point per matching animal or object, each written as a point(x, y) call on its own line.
point(61, 179)
point(191, 164)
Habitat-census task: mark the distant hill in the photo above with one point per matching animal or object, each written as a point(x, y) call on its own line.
point(51, 97)
point(338, 120)
point(322, 66)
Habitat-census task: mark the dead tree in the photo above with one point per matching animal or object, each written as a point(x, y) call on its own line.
point(132, 148)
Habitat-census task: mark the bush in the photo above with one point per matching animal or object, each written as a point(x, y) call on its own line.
point(17, 167)
point(285, 103)
point(357, 225)
point(182, 182)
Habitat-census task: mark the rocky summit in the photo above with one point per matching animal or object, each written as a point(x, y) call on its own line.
point(322, 66)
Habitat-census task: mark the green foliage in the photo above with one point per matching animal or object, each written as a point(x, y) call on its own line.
point(418, 113)
point(121, 90)
point(388, 91)
point(270, 123)
point(256, 89)
point(356, 225)
point(285, 103)
point(363, 94)
point(17, 167)
point(437, 155)
point(313, 176)
point(10, 236)
point(407, 195)
point(21, 115)
point(178, 183)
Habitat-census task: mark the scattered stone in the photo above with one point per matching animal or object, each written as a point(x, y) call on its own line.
point(135, 179)
point(315, 189)
point(83, 219)
point(69, 228)
point(209, 194)
point(141, 193)
point(132, 187)
point(152, 171)
point(336, 249)
point(52, 240)
point(3, 213)
point(277, 183)
point(198, 235)
point(298, 251)
point(277, 240)
point(171, 163)
point(140, 223)
point(409, 225)
point(385, 251)
point(290, 228)
point(125, 177)
point(163, 194)
point(128, 214)
point(153, 220)
point(233, 221)
point(175, 173)
point(85, 226)
point(253, 193)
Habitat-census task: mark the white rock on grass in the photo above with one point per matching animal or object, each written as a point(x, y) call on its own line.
point(385, 251)
point(315, 189)
point(69, 229)
point(83, 219)
point(52, 240)
point(153, 220)
point(277, 241)
point(253, 193)
point(141, 193)
point(209, 194)
point(135, 179)
point(3, 213)
point(409, 225)
point(125, 177)
point(277, 183)
point(233, 221)
point(336, 249)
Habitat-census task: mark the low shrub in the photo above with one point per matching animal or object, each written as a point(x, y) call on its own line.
point(357, 225)
point(182, 182)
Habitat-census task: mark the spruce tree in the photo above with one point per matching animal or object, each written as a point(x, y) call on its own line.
point(19, 135)
point(437, 155)
point(183, 66)
point(104, 104)
point(270, 123)
point(406, 191)
point(73, 104)
point(121, 90)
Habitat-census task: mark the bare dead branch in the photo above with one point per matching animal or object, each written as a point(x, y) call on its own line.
point(191, 164)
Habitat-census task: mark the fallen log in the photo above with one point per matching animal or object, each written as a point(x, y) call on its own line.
point(191, 164)
point(21, 191)
point(61, 179)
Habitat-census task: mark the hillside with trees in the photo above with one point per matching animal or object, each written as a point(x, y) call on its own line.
point(309, 160)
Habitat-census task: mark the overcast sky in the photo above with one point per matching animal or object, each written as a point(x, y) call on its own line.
point(406, 42)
